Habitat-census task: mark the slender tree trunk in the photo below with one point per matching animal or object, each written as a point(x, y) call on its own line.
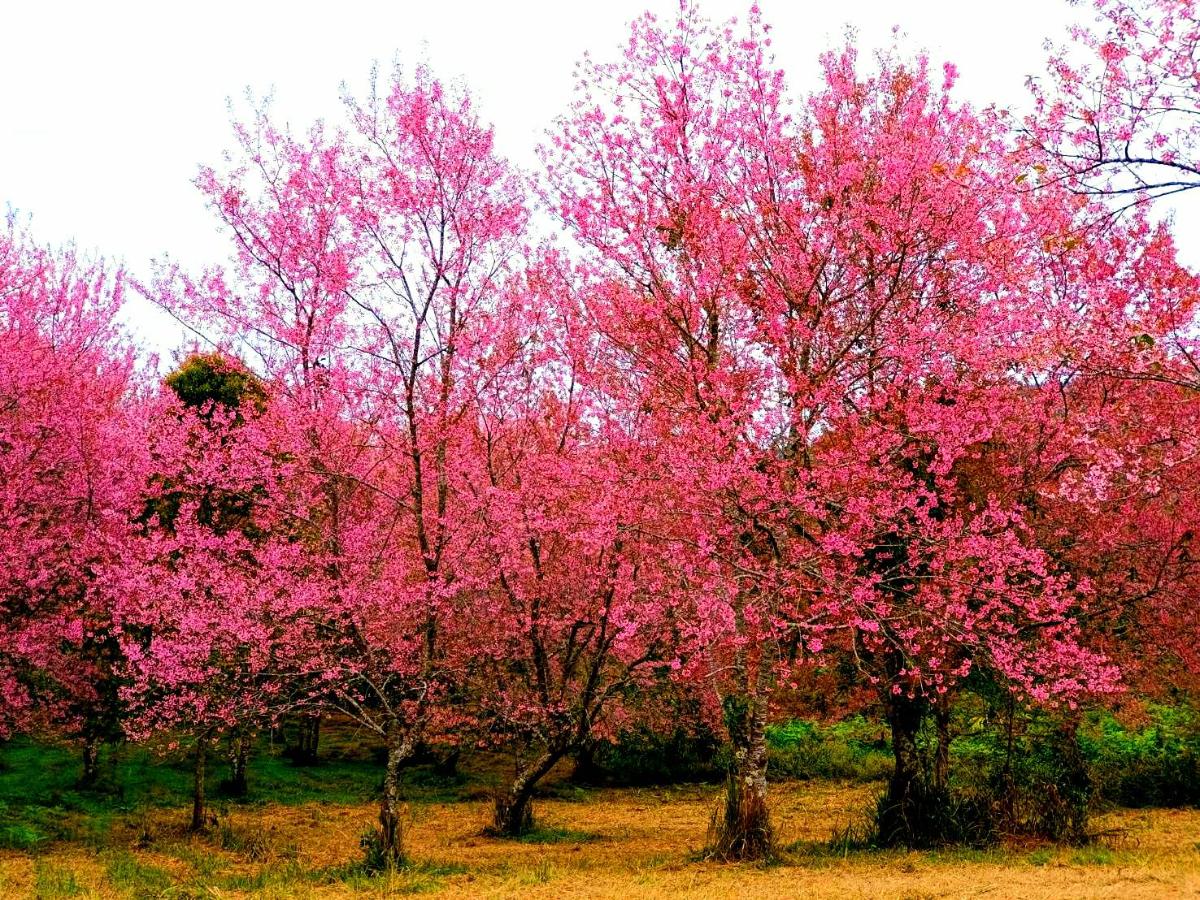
point(308, 734)
point(91, 761)
point(514, 808)
point(313, 746)
point(447, 766)
point(199, 807)
point(239, 758)
point(742, 830)
point(391, 829)
point(941, 760)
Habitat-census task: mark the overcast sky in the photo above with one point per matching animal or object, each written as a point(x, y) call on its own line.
point(107, 108)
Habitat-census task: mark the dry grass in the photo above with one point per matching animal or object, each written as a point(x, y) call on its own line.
point(628, 843)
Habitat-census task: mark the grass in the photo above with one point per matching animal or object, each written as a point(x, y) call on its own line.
point(51, 880)
point(616, 843)
point(125, 872)
point(555, 835)
point(297, 836)
point(41, 801)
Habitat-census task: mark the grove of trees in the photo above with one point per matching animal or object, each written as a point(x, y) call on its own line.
point(744, 389)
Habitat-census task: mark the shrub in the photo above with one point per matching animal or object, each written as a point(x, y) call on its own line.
point(854, 749)
point(1158, 765)
point(740, 829)
point(933, 817)
point(20, 836)
point(1034, 782)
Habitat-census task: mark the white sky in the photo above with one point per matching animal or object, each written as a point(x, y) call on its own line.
point(107, 108)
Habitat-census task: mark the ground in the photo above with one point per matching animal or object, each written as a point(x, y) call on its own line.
point(597, 843)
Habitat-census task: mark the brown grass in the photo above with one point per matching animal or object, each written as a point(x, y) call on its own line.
point(627, 843)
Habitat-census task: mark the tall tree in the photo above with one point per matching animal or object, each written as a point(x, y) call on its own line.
point(837, 301)
point(366, 283)
point(581, 612)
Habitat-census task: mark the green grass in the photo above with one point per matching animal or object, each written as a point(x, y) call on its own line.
point(126, 873)
point(550, 834)
point(51, 881)
point(41, 801)
point(1094, 855)
point(139, 776)
point(1043, 856)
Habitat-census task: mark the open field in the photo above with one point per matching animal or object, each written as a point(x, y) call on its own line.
point(603, 843)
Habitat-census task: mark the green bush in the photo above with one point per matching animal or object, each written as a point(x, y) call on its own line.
point(1032, 783)
point(853, 749)
point(934, 817)
point(1158, 765)
point(20, 836)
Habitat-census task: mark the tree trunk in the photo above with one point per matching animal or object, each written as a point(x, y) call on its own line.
point(91, 761)
point(742, 830)
point(239, 758)
point(447, 766)
point(199, 809)
point(314, 737)
point(514, 808)
point(941, 760)
point(1073, 790)
point(308, 739)
point(585, 770)
point(901, 815)
point(391, 829)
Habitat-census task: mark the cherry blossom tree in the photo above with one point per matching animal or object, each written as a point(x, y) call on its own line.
point(838, 301)
point(69, 445)
point(1116, 120)
point(580, 612)
point(365, 284)
point(640, 173)
point(1117, 113)
point(1114, 473)
point(194, 593)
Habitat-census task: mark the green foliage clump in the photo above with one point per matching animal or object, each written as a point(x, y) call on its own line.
point(854, 749)
point(18, 835)
point(934, 817)
point(1025, 775)
point(1155, 765)
point(205, 379)
point(375, 858)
